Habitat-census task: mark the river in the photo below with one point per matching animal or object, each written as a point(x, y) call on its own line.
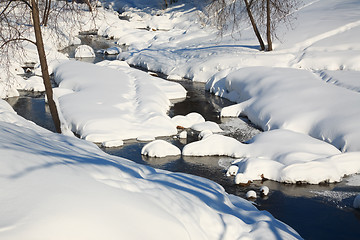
point(314, 211)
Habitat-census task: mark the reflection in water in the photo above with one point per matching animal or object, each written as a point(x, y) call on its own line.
point(31, 105)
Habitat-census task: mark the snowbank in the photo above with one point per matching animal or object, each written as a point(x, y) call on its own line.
point(110, 101)
point(279, 155)
point(293, 99)
point(52, 183)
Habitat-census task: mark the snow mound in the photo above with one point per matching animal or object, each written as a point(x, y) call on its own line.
point(111, 101)
point(114, 143)
point(160, 148)
point(188, 120)
point(145, 138)
point(34, 83)
point(251, 194)
point(280, 155)
point(110, 51)
point(208, 125)
point(84, 51)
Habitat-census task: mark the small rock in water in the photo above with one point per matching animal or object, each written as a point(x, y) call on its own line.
point(251, 194)
point(232, 171)
point(183, 134)
point(84, 51)
point(264, 190)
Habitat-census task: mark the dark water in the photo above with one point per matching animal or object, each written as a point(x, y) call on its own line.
point(314, 211)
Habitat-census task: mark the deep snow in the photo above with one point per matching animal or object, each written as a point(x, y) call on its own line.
point(311, 95)
point(60, 187)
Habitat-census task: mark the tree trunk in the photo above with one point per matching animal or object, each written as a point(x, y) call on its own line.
point(44, 67)
point(46, 12)
point(257, 33)
point(89, 5)
point(268, 26)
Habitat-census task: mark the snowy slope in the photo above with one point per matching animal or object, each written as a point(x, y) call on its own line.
point(59, 187)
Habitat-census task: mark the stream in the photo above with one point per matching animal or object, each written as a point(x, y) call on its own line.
point(314, 211)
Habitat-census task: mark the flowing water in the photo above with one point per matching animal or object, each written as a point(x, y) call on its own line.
point(314, 211)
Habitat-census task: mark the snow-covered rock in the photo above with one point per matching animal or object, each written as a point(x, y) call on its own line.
point(160, 148)
point(188, 120)
point(111, 51)
point(251, 194)
point(183, 134)
point(264, 190)
point(207, 125)
point(84, 51)
point(280, 155)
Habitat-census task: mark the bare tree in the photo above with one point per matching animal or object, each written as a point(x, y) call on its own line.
point(226, 13)
point(21, 18)
point(264, 13)
point(253, 24)
point(270, 13)
point(44, 66)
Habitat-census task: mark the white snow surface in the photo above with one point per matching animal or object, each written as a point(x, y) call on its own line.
point(160, 148)
point(60, 187)
point(84, 51)
point(279, 155)
point(188, 121)
point(293, 99)
point(207, 125)
point(111, 101)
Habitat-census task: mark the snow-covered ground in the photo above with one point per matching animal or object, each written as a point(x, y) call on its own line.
point(308, 85)
point(59, 187)
point(110, 102)
point(304, 95)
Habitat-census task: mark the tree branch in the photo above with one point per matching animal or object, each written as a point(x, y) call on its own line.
point(17, 40)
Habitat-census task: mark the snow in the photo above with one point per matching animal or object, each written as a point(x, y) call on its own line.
point(110, 51)
point(304, 95)
point(251, 194)
point(183, 134)
point(53, 183)
point(293, 99)
point(207, 125)
point(84, 51)
point(279, 155)
point(34, 83)
point(188, 120)
point(264, 190)
point(160, 148)
point(110, 101)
